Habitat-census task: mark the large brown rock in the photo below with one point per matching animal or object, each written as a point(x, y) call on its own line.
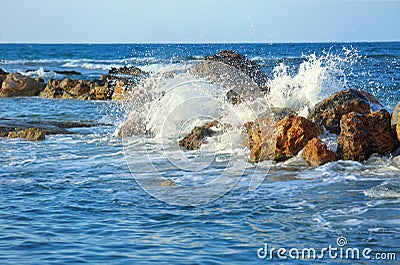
point(195, 138)
point(330, 111)
point(364, 134)
point(316, 153)
point(17, 85)
point(279, 141)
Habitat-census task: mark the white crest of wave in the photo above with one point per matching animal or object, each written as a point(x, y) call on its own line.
point(315, 79)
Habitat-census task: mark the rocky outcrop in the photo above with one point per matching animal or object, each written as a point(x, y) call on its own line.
point(330, 111)
point(17, 85)
point(243, 77)
point(197, 136)
point(133, 71)
point(30, 134)
point(243, 64)
point(282, 141)
point(77, 89)
point(364, 134)
point(317, 153)
point(3, 76)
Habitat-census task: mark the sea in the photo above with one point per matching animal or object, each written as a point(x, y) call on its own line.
point(95, 197)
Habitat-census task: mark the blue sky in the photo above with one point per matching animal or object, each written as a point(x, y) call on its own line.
point(172, 21)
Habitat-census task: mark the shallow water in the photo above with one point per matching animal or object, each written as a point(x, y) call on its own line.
point(72, 198)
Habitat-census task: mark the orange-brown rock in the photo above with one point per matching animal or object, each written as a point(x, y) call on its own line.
point(329, 111)
point(364, 134)
point(398, 128)
point(195, 138)
point(317, 153)
point(282, 140)
point(17, 85)
point(30, 134)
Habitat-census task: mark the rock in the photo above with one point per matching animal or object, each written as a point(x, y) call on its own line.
point(30, 134)
point(317, 153)
point(17, 85)
point(292, 134)
point(47, 127)
point(281, 141)
point(67, 72)
point(330, 111)
point(195, 138)
point(247, 66)
point(261, 139)
point(364, 134)
point(398, 128)
point(134, 71)
point(3, 76)
point(243, 77)
point(395, 115)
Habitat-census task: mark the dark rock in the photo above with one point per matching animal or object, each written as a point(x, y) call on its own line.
point(247, 66)
point(67, 72)
point(330, 111)
point(134, 71)
point(364, 134)
point(17, 85)
point(195, 138)
point(317, 153)
point(3, 76)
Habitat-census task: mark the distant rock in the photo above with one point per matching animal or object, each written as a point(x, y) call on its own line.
point(133, 71)
point(30, 134)
point(56, 71)
point(282, 140)
point(364, 134)
point(17, 85)
point(196, 137)
point(330, 111)
point(317, 153)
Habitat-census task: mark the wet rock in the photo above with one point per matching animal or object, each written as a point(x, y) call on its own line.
point(330, 111)
point(195, 138)
point(17, 85)
point(398, 128)
point(261, 139)
point(30, 134)
point(292, 134)
point(245, 65)
point(395, 115)
point(282, 141)
point(133, 71)
point(243, 77)
point(364, 134)
point(3, 76)
point(317, 153)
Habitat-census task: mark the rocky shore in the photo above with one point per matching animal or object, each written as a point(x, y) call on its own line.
point(356, 119)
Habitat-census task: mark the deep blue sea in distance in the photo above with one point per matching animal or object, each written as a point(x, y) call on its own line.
point(73, 199)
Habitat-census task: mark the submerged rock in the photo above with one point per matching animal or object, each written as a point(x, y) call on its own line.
point(364, 134)
point(17, 85)
point(282, 141)
point(196, 137)
point(30, 134)
point(330, 111)
point(317, 153)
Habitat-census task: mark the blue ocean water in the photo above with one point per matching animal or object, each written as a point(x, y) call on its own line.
point(72, 198)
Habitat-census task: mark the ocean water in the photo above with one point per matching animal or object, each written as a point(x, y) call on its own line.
point(91, 197)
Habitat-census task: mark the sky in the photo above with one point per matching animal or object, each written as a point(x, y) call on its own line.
point(200, 21)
